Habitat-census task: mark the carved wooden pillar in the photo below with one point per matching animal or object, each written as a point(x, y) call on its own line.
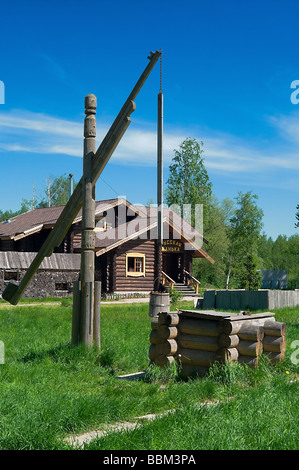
point(88, 223)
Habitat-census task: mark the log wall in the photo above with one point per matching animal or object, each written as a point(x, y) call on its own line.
point(196, 343)
point(123, 283)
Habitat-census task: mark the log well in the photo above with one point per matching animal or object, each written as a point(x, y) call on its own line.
point(197, 339)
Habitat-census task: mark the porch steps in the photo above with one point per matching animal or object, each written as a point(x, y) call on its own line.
point(184, 289)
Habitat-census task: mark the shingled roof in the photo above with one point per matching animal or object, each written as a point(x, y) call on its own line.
point(30, 222)
point(35, 220)
point(45, 218)
point(55, 262)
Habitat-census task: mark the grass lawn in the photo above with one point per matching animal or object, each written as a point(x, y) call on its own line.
point(50, 390)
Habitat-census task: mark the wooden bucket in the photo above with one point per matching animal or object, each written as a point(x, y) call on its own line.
point(159, 302)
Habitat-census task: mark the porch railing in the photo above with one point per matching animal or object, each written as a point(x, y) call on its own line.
point(192, 281)
point(167, 281)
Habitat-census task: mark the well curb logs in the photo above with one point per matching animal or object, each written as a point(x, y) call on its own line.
point(197, 339)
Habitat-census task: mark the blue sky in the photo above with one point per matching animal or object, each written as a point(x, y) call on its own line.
point(227, 74)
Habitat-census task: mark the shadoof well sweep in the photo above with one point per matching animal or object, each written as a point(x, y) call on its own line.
point(195, 339)
point(87, 292)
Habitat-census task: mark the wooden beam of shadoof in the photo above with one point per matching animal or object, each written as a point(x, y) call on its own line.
point(14, 292)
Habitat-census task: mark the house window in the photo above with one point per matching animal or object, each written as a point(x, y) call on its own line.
point(61, 286)
point(11, 276)
point(135, 264)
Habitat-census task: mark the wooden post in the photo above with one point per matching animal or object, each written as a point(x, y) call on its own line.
point(97, 313)
point(88, 223)
point(160, 189)
point(76, 322)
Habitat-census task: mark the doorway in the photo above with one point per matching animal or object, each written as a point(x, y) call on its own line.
point(173, 266)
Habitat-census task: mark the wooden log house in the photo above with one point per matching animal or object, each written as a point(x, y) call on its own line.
point(125, 250)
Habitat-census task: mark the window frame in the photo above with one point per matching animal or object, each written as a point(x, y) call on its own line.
point(11, 275)
point(135, 273)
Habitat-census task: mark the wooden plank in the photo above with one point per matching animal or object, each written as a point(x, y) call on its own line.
point(205, 314)
point(254, 316)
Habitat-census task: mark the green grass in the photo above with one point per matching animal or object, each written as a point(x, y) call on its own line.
point(50, 390)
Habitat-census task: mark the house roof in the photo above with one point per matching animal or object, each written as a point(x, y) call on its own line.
point(29, 222)
point(45, 218)
point(111, 239)
point(35, 220)
point(55, 262)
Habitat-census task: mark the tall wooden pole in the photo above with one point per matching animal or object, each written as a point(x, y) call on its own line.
point(88, 223)
point(160, 187)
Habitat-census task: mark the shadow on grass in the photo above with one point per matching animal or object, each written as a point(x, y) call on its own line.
point(63, 353)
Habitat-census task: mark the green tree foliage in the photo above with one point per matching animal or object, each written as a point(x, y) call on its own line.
point(250, 277)
point(216, 233)
point(189, 184)
point(243, 233)
point(297, 216)
point(188, 181)
point(55, 193)
point(6, 215)
point(281, 254)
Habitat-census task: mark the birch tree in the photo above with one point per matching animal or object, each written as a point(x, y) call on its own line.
point(244, 233)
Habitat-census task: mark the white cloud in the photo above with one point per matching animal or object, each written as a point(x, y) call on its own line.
point(23, 131)
point(288, 126)
point(38, 122)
